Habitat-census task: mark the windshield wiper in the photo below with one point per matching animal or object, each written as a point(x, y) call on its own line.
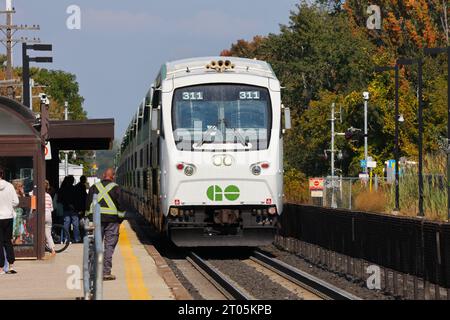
point(209, 132)
point(240, 137)
point(236, 134)
point(206, 135)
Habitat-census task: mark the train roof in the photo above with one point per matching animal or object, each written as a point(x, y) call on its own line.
point(185, 67)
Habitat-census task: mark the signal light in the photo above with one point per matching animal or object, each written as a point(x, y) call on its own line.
point(268, 201)
point(180, 166)
point(265, 165)
point(351, 132)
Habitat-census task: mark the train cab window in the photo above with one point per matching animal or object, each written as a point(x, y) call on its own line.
point(222, 114)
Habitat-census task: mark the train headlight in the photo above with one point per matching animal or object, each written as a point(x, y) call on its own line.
point(258, 167)
point(256, 170)
point(228, 161)
point(217, 161)
point(189, 170)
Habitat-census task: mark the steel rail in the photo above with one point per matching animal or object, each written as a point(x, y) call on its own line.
point(218, 279)
point(317, 286)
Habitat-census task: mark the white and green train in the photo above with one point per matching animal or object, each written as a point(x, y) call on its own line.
point(202, 159)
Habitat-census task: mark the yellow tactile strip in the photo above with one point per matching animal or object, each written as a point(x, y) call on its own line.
point(133, 271)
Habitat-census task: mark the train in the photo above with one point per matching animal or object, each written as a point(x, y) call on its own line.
point(202, 158)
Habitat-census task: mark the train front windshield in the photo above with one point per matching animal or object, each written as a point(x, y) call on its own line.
point(235, 116)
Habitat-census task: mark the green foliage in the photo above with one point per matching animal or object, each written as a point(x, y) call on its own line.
point(296, 187)
point(61, 86)
point(326, 54)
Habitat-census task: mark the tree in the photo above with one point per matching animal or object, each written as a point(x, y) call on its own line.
point(326, 54)
point(61, 86)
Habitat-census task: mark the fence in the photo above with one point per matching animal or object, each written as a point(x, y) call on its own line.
point(379, 196)
point(412, 246)
point(93, 256)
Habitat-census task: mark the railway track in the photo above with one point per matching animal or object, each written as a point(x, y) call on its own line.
point(308, 282)
point(217, 278)
point(313, 286)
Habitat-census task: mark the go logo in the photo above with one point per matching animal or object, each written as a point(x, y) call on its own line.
point(215, 193)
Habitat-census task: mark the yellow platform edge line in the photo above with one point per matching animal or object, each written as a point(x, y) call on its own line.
point(133, 271)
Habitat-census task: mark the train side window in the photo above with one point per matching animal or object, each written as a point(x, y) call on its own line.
point(156, 101)
point(145, 182)
point(138, 179)
point(161, 123)
point(141, 158)
point(150, 157)
point(146, 114)
point(135, 160)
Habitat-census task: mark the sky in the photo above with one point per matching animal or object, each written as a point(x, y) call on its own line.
point(121, 45)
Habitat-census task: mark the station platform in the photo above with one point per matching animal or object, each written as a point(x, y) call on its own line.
point(141, 272)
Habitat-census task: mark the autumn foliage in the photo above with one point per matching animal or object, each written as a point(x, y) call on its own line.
point(327, 54)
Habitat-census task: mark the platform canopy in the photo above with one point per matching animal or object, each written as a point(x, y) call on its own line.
point(15, 119)
point(96, 134)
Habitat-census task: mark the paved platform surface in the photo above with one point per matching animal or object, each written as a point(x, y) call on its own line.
point(139, 270)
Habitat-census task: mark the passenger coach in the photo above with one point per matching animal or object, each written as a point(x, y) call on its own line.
point(202, 159)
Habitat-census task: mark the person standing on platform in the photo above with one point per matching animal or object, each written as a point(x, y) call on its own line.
point(19, 223)
point(8, 200)
point(66, 198)
point(112, 215)
point(80, 197)
point(48, 218)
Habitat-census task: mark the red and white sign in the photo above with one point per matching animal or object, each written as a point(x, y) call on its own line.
point(48, 151)
point(316, 183)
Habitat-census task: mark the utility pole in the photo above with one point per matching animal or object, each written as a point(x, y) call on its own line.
point(66, 153)
point(333, 151)
point(366, 152)
point(333, 199)
point(397, 129)
point(397, 147)
point(434, 51)
point(420, 118)
point(9, 14)
point(9, 42)
point(26, 67)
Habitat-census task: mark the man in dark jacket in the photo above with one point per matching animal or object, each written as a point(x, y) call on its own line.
point(66, 198)
point(80, 196)
point(112, 215)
